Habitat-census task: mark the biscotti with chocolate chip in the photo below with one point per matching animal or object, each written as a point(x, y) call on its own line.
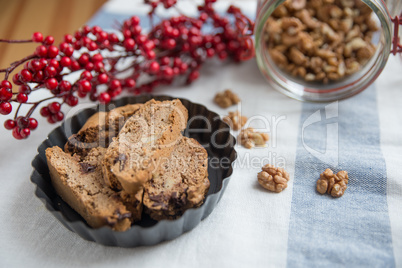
point(150, 134)
point(99, 130)
point(80, 184)
point(180, 182)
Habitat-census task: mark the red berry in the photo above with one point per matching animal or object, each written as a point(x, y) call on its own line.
point(33, 123)
point(49, 40)
point(129, 44)
point(9, 124)
point(193, 76)
point(22, 122)
point(169, 43)
point(154, 67)
point(92, 46)
point(210, 52)
point(89, 66)
point(43, 62)
point(50, 71)
point(64, 86)
point(150, 54)
point(129, 83)
point(101, 36)
point(81, 94)
point(68, 38)
point(63, 46)
point(22, 98)
point(16, 134)
point(54, 107)
point(84, 86)
point(104, 98)
point(25, 132)
point(51, 83)
point(35, 65)
point(71, 100)
point(114, 84)
point(223, 55)
point(24, 89)
point(65, 61)
point(51, 120)
point(44, 111)
point(96, 29)
point(52, 52)
point(165, 61)
point(59, 116)
point(5, 108)
point(126, 33)
point(75, 66)
point(37, 37)
point(167, 72)
point(5, 94)
point(141, 39)
point(86, 75)
point(99, 66)
point(149, 45)
point(112, 37)
point(135, 20)
point(86, 29)
point(97, 57)
point(136, 30)
point(41, 51)
point(54, 63)
point(25, 76)
point(38, 76)
point(6, 84)
point(103, 78)
point(83, 59)
point(16, 79)
point(69, 51)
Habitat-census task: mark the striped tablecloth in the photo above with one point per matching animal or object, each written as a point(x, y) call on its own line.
point(250, 227)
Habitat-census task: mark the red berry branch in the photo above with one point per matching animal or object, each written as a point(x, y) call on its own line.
point(131, 60)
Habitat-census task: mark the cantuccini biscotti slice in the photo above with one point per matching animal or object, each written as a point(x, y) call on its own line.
point(150, 134)
point(180, 182)
point(80, 184)
point(99, 130)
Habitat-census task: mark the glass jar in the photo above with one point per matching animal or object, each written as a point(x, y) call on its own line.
point(333, 90)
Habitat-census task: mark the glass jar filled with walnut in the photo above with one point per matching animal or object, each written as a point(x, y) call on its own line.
point(323, 50)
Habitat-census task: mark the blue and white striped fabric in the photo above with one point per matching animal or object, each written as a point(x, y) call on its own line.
point(251, 227)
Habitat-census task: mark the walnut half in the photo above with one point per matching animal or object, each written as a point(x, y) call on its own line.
point(226, 98)
point(333, 184)
point(249, 138)
point(273, 179)
point(235, 120)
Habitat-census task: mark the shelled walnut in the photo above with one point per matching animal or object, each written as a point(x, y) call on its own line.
point(333, 184)
point(235, 120)
point(249, 138)
point(321, 40)
point(273, 179)
point(226, 99)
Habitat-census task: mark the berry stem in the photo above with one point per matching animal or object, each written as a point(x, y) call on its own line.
point(16, 41)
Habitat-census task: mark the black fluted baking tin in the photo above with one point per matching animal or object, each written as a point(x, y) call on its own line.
point(219, 144)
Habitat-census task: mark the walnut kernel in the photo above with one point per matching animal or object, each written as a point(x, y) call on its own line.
point(333, 184)
point(273, 179)
point(235, 120)
point(226, 98)
point(249, 138)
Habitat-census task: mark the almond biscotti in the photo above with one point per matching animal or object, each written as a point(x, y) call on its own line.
point(99, 129)
point(80, 184)
point(150, 134)
point(180, 182)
